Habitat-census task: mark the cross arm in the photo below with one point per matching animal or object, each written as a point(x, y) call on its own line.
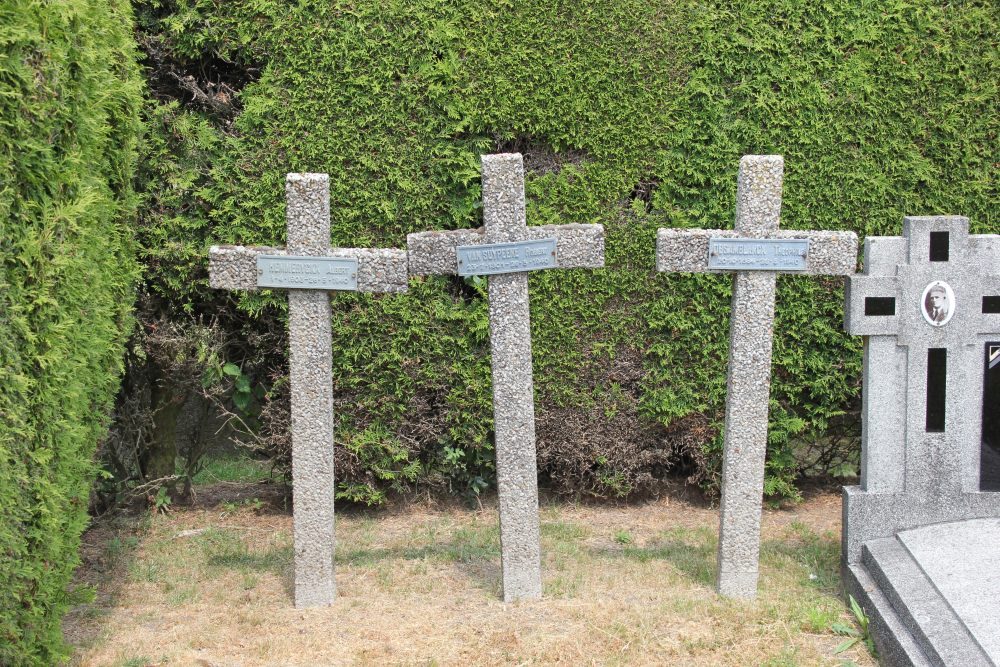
point(985, 304)
point(872, 306)
point(379, 269)
point(985, 248)
point(433, 253)
point(577, 246)
point(686, 250)
point(872, 298)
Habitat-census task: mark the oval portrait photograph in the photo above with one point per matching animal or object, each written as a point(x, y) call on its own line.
point(938, 303)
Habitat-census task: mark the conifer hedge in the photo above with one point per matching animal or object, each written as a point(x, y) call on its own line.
point(70, 92)
point(631, 113)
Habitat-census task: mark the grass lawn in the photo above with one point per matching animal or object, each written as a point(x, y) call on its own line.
point(233, 468)
point(419, 584)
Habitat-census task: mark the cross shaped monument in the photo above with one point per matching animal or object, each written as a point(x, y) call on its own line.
point(921, 531)
point(310, 269)
point(922, 398)
point(505, 249)
point(756, 250)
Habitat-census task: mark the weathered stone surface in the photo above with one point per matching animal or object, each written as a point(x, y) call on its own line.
point(310, 368)
point(758, 208)
point(513, 388)
point(758, 194)
point(307, 213)
point(379, 269)
point(310, 374)
point(577, 246)
point(510, 341)
point(748, 387)
point(686, 250)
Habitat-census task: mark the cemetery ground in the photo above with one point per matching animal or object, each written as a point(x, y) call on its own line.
point(419, 583)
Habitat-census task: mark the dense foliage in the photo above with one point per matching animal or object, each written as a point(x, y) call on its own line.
point(70, 93)
point(630, 113)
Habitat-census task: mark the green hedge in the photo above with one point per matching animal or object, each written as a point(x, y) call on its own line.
point(69, 97)
point(631, 113)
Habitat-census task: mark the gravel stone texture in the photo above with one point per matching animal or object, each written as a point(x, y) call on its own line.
point(379, 269)
point(758, 207)
point(577, 246)
point(513, 389)
point(758, 210)
point(686, 250)
point(310, 371)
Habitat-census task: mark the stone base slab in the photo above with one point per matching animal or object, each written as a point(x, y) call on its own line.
point(870, 516)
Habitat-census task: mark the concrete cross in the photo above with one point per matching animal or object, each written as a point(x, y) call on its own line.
point(923, 393)
point(757, 253)
point(310, 278)
point(510, 339)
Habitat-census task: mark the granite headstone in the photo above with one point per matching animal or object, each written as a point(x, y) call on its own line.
point(921, 532)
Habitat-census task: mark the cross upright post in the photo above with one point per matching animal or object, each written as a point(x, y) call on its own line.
point(310, 269)
point(505, 249)
point(756, 250)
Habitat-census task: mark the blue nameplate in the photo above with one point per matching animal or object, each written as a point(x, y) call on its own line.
point(758, 254)
point(321, 273)
point(493, 258)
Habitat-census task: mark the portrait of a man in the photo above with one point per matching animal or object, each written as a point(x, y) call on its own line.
point(939, 303)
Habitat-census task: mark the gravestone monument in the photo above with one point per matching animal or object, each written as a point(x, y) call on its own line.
point(756, 251)
point(505, 249)
point(310, 269)
point(921, 534)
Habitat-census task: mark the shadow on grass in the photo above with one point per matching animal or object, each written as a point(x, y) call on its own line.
point(108, 555)
point(277, 560)
point(222, 548)
point(691, 552)
point(225, 549)
point(817, 554)
point(476, 552)
point(464, 545)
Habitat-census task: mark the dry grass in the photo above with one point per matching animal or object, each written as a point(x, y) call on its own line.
point(420, 585)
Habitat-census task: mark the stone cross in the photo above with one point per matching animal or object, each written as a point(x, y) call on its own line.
point(510, 339)
point(928, 305)
point(309, 278)
point(758, 252)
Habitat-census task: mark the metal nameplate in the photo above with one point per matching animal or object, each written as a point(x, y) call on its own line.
point(758, 254)
point(493, 258)
point(321, 273)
